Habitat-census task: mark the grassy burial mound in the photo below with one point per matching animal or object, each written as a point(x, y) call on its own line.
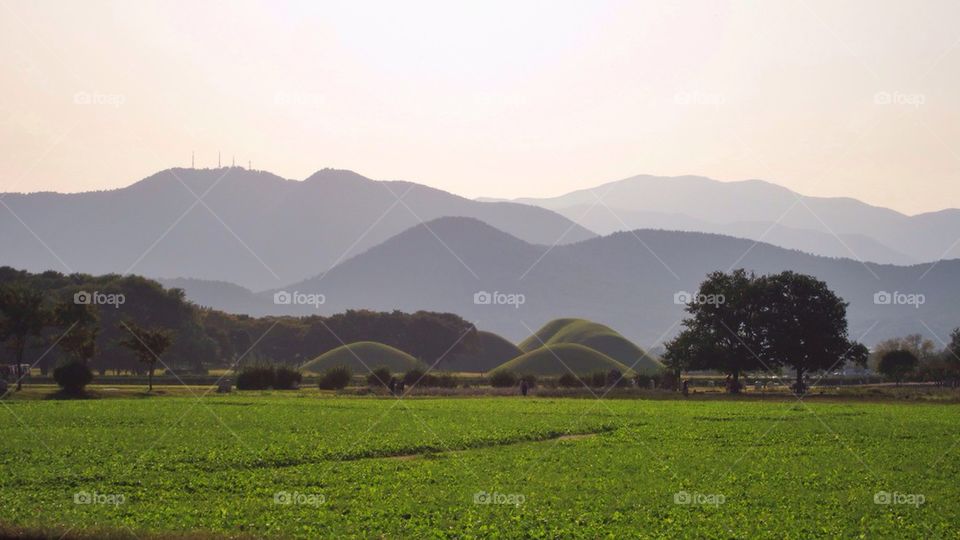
point(492, 351)
point(556, 360)
point(596, 336)
point(373, 354)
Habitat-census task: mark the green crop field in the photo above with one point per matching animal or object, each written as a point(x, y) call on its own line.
point(303, 465)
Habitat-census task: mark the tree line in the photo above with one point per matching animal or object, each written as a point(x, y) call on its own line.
point(739, 322)
point(128, 323)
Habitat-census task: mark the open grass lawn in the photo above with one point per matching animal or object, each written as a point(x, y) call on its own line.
point(309, 466)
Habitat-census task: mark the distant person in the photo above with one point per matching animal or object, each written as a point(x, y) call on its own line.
point(686, 388)
point(524, 387)
point(400, 386)
point(393, 385)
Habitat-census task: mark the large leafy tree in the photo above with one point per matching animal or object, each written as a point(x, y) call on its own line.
point(148, 344)
point(804, 324)
point(24, 316)
point(722, 331)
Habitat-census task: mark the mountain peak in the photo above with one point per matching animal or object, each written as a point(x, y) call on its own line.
point(328, 175)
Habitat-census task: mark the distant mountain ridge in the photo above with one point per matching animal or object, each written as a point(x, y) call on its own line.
point(628, 281)
point(251, 228)
point(760, 210)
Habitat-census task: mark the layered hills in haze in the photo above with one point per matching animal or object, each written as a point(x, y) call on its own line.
point(250, 228)
point(759, 210)
point(509, 267)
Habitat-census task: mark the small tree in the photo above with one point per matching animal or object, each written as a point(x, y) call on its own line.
point(73, 377)
point(335, 378)
point(24, 317)
point(81, 324)
point(503, 379)
point(569, 380)
point(412, 377)
point(379, 377)
point(148, 344)
point(286, 378)
point(897, 364)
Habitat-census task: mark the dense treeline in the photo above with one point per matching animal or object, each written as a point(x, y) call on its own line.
point(104, 310)
point(739, 323)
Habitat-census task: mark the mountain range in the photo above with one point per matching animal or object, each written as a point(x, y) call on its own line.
point(759, 210)
point(634, 282)
point(230, 224)
point(234, 238)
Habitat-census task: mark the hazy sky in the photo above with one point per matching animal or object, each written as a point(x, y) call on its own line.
point(489, 98)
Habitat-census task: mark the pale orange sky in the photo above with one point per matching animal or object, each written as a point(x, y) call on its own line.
point(501, 99)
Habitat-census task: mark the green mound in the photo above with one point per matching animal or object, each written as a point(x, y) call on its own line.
point(373, 354)
point(555, 360)
point(492, 351)
point(596, 336)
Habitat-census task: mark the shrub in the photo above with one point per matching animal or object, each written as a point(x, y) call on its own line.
point(73, 377)
point(615, 378)
point(255, 378)
point(285, 378)
point(411, 377)
point(569, 380)
point(503, 379)
point(379, 377)
point(335, 378)
point(597, 379)
point(444, 380)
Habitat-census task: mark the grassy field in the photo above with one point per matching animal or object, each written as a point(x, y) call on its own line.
point(305, 465)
